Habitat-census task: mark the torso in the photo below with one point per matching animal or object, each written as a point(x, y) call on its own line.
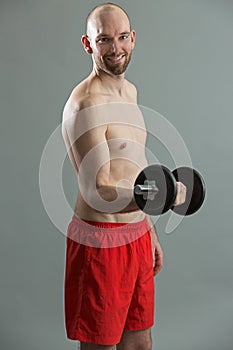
point(126, 138)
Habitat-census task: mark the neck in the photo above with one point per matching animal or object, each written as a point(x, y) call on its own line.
point(112, 83)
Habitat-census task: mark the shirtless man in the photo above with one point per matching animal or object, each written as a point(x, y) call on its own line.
point(109, 292)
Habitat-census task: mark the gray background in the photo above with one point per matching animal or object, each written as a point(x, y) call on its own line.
point(183, 68)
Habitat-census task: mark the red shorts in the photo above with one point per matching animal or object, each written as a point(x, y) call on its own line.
point(108, 290)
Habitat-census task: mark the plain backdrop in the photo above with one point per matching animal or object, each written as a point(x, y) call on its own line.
point(182, 66)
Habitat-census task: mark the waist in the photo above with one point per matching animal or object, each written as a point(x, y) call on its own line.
point(131, 226)
point(85, 212)
point(105, 234)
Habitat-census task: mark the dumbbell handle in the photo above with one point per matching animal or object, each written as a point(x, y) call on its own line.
point(142, 189)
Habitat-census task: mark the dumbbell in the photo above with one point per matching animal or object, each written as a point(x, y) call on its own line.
point(155, 190)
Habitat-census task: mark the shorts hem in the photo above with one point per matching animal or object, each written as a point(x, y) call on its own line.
point(141, 327)
point(107, 341)
point(94, 339)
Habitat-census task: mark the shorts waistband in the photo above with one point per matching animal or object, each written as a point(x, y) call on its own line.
point(129, 226)
point(105, 234)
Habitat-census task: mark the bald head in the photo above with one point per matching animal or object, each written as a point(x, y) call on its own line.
point(102, 11)
point(109, 38)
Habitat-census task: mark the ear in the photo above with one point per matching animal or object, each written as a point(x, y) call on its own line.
point(86, 44)
point(133, 38)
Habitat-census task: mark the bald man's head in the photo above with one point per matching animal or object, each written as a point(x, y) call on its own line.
point(102, 10)
point(109, 38)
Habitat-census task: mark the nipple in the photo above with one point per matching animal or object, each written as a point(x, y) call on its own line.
point(123, 145)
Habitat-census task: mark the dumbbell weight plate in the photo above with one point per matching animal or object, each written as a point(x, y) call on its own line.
point(195, 194)
point(166, 184)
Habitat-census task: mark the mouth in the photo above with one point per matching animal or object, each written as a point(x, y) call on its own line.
point(117, 59)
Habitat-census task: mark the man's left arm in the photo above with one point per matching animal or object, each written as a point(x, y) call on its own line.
point(157, 251)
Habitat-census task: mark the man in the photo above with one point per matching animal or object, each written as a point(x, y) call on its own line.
point(109, 289)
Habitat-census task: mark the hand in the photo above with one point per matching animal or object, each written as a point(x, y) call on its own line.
point(181, 194)
point(157, 252)
point(157, 258)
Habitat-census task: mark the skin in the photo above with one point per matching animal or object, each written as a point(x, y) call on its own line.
point(111, 133)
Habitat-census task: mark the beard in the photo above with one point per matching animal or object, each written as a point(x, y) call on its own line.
point(117, 68)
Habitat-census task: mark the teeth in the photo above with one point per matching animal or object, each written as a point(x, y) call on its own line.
point(116, 58)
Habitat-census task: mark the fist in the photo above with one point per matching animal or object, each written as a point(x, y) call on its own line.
point(181, 194)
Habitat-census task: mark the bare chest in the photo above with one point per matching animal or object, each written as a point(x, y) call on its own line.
point(128, 135)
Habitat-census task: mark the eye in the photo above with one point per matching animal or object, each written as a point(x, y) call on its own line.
point(124, 37)
point(103, 40)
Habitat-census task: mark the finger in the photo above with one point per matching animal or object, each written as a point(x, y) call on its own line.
point(158, 266)
point(156, 270)
point(181, 194)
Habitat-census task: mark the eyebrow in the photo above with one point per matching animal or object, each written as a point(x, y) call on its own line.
point(106, 35)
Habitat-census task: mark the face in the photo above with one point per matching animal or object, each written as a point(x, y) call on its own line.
point(110, 41)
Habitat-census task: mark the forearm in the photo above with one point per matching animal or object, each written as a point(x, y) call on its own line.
point(124, 197)
point(152, 227)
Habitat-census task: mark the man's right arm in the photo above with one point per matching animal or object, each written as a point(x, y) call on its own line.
point(84, 132)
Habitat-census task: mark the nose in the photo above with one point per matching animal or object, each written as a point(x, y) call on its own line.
point(115, 46)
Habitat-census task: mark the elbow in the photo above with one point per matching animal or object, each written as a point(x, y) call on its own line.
point(106, 191)
point(102, 182)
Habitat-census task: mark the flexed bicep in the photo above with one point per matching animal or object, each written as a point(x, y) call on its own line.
point(94, 158)
point(85, 134)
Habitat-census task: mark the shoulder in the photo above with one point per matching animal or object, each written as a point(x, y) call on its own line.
point(84, 95)
point(84, 109)
point(79, 99)
point(131, 85)
point(79, 96)
point(131, 88)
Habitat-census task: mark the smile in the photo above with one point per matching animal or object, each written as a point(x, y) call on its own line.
point(116, 59)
